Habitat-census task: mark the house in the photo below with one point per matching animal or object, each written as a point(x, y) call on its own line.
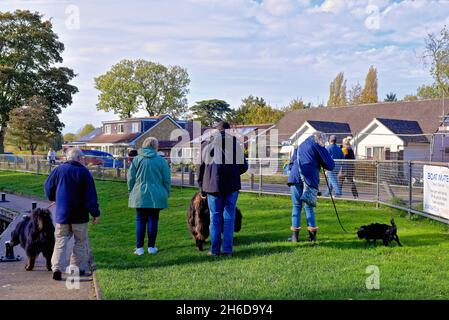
point(392, 139)
point(339, 129)
point(82, 141)
point(428, 114)
point(119, 136)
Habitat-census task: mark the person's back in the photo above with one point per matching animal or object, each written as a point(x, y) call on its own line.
point(335, 151)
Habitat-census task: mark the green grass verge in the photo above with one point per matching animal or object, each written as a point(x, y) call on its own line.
point(265, 266)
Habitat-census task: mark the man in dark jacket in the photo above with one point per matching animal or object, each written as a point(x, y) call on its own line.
point(72, 187)
point(336, 154)
point(222, 163)
point(305, 166)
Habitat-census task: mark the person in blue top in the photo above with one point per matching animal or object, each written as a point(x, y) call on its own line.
point(305, 169)
point(73, 188)
point(332, 175)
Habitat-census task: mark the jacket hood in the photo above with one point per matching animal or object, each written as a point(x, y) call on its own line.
point(147, 152)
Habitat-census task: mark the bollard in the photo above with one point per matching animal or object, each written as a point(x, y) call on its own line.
point(9, 254)
point(33, 205)
point(3, 197)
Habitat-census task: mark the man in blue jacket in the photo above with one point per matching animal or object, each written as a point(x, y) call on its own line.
point(218, 175)
point(72, 187)
point(305, 166)
point(332, 175)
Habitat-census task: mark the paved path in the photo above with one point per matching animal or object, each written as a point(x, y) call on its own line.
point(16, 283)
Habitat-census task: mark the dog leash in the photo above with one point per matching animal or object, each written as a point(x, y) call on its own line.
point(333, 202)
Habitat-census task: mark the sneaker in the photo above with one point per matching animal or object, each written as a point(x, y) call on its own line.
point(211, 254)
point(57, 275)
point(139, 251)
point(152, 250)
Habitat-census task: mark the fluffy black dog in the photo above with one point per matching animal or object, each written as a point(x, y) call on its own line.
point(35, 234)
point(376, 231)
point(198, 220)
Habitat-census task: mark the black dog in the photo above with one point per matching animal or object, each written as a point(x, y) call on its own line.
point(35, 234)
point(383, 232)
point(198, 219)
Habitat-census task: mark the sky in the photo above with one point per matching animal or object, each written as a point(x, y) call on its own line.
point(277, 49)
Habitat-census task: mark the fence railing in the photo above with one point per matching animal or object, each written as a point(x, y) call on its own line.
point(398, 184)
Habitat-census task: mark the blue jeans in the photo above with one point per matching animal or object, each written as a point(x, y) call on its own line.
point(146, 218)
point(333, 183)
point(296, 191)
point(222, 210)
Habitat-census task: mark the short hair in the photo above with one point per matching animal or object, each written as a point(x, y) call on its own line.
point(223, 125)
point(151, 142)
point(347, 141)
point(74, 154)
point(320, 137)
point(333, 138)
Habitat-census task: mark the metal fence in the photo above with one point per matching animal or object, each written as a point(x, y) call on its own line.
point(397, 184)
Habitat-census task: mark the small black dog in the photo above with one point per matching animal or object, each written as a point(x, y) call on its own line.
point(198, 220)
point(383, 232)
point(35, 234)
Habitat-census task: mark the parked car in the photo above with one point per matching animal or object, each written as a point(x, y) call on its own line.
point(11, 157)
point(100, 158)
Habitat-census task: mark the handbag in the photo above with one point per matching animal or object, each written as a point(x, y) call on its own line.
point(309, 194)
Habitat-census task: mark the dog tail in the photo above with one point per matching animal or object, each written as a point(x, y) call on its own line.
point(393, 223)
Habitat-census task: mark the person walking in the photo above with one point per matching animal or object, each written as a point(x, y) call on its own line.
point(51, 157)
point(149, 189)
point(305, 165)
point(222, 163)
point(72, 187)
point(332, 175)
point(348, 168)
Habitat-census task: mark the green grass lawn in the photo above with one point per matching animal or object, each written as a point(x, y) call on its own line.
point(265, 265)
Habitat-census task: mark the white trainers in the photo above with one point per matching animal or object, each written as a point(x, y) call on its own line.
point(139, 251)
point(152, 250)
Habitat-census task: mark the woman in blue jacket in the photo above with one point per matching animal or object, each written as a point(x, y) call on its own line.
point(305, 169)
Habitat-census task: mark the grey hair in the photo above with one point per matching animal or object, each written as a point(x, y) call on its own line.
point(151, 142)
point(74, 154)
point(320, 138)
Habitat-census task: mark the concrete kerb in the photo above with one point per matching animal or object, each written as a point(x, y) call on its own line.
point(93, 267)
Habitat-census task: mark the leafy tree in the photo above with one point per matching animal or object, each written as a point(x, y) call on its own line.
point(118, 90)
point(369, 93)
point(211, 111)
point(410, 97)
point(88, 128)
point(391, 97)
point(70, 137)
point(29, 126)
point(296, 104)
point(436, 55)
point(337, 91)
point(255, 110)
point(29, 49)
point(131, 85)
point(428, 92)
point(355, 94)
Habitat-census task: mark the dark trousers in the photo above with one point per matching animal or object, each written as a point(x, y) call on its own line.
point(146, 218)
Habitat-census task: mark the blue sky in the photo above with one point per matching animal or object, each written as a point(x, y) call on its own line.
point(277, 49)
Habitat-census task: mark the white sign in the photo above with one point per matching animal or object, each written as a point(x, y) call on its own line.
point(436, 191)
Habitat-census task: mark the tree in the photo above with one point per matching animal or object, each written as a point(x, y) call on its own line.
point(70, 137)
point(337, 91)
point(255, 110)
point(369, 93)
point(436, 55)
point(391, 97)
point(88, 128)
point(296, 104)
point(118, 90)
point(355, 94)
point(428, 92)
point(29, 126)
point(410, 97)
point(210, 112)
point(29, 49)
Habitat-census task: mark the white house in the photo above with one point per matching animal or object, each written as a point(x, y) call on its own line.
point(339, 129)
point(392, 139)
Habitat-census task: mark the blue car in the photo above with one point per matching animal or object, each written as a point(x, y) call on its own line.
point(11, 157)
point(100, 158)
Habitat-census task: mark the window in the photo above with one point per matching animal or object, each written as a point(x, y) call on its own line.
point(369, 153)
point(135, 127)
point(107, 129)
point(375, 153)
point(121, 128)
